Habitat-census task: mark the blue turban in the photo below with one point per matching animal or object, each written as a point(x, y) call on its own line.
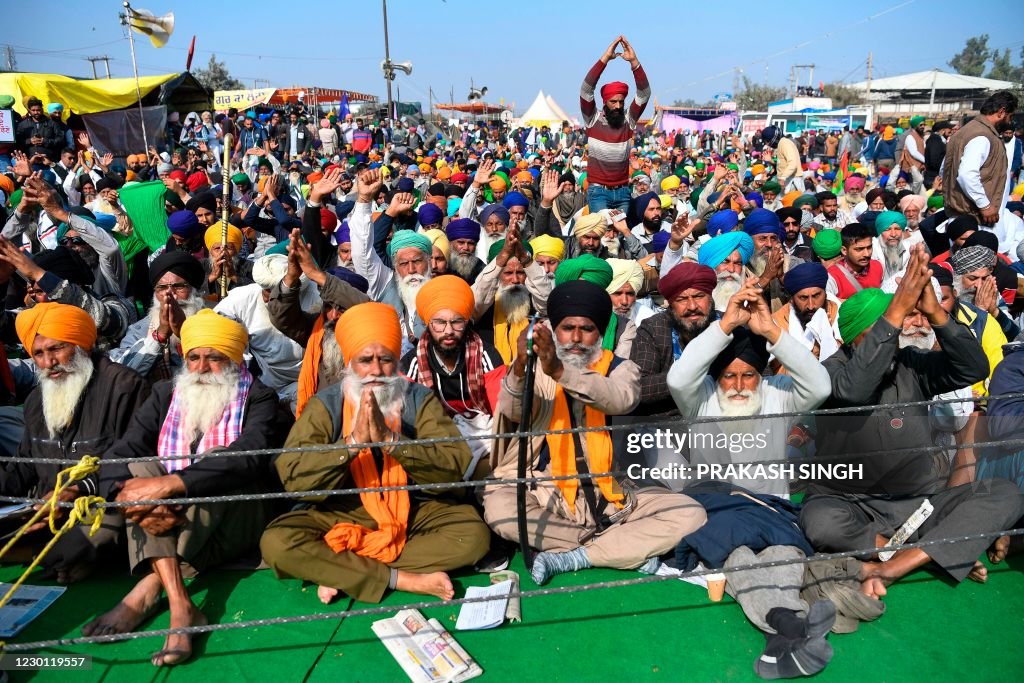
point(515, 199)
point(404, 239)
point(405, 185)
point(658, 242)
point(106, 221)
point(429, 214)
point(756, 198)
point(184, 224)
point(454, 204)
point(717, 249)
point(54, 107)
point(463, 229)
point(805, 275)
point(762, 222)
point(829, 176)
point(638, 205)
point(494, 209)
point(354, 279)
point(343, 234)
point(343, 209)
point(722, 221)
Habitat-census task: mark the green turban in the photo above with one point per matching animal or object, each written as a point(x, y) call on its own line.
point(827, 243)
point(806, 200)
point(409, 238)
point(885, 220)
point(240, 179)
point(916, 121)
point(6, 101)
point(497, 247)
point(586, 267)
point(16, 198)
point(279, 248)
point(771, 186)
point(935, 201)
point(861, 311)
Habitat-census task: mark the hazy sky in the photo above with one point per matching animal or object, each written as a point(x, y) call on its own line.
point(689, 49)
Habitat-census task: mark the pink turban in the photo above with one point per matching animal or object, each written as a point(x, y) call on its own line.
point(912, 200)
point(609, 90)
point(854, 183)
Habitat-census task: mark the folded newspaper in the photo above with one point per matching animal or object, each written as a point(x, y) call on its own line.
point(426, 652)
point(27, 603)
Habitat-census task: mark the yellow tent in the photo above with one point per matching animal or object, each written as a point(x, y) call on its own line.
point(78, 96)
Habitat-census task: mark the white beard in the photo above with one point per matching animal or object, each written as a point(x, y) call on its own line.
point(60, 396)
point(390, 397)
point(332, 365)
point(346, 264)
point(204, 397)
point(486, 240)
point(612, 245)
point(515, 302)
point(581, 361)
point(912, 339)
point(462, 264)
point(728, 285)
point(190, 306)
point(409, 287)
point(758, 262)
point(731, 408)
point(892, 257)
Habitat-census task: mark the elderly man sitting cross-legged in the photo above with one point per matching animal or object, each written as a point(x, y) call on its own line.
point(213, 404)
point(377, 541)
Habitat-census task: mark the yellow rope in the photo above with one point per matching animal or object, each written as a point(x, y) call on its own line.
point(85, 511)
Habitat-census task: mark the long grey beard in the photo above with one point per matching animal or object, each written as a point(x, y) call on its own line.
point(892, 256)
point(911, 338)
point(515, 302)
point(581, 361)
point(728, 285)
point(409, 287)
point(332, 365)
point(758, 262)
point(190, 306)
point(61, 396)
point(463, 264)
point(390, 397)
point(204, 397)
point(612, 245)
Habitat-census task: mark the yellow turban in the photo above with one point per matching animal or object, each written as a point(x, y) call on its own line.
point(425, 168)
point(1018, 191)
point(625, 271)
point(445, 291)
point(439, 240)
point(62, 322)
point(546, 245)
point(757, 169)
point(591, 224)
point(366, 324)
point(670, 182)
point(440, 163)
point(666, 200)
point(209, 330)
point(213, 236)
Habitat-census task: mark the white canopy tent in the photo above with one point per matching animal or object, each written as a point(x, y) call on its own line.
point(543, 112)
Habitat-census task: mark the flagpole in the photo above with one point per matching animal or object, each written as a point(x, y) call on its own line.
point(135, 68)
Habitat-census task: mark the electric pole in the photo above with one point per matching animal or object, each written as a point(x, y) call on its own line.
point(92, 62)
point(12, 61)
point(869, 77)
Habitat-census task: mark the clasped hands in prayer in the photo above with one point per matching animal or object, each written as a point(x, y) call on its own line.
point(370, 426)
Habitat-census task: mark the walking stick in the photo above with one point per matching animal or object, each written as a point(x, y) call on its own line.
point(225, 212)
point(525, 422)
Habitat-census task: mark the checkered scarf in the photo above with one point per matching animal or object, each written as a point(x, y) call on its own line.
point(174, 442)
point(474, 367)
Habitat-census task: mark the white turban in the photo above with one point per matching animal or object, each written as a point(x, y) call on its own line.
point(623, 271)
point(267, 271)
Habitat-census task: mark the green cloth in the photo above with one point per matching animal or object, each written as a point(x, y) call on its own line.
point(916, 121)
point(885, 220)
point(144, 204)
point(827, 243)
point(806, 200)
point(16, 198)
point(586, 267)
point(130, 246)
point(936, 201)
point(497, 246)
point(279, 248)
point(861, 311)
point(403, 239)
point(6, 102)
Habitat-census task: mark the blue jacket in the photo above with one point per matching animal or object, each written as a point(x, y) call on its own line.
point(885, 149)
point(1004, 415)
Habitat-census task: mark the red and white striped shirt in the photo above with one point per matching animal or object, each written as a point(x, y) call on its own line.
point(608, 148)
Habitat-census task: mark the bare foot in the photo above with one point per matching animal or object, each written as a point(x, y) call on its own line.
point(130, 612)
point(997, 553)
point(979, 573)
point(436, 583)
point(74, 574)
point(178, 648)
point(326, 594)
point(873, 582)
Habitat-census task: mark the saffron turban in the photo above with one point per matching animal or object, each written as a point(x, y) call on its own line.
point(515, 199)
point(209, 330)
point(625, 271)
point(546, 245)
point(69, 324)
point(591, 224)
point(912, 201)
point(853, 184)
point(498, 182)
point(445, 292)
point(722, 221)
point(494, 210)
point(438, 239)
point(586, 267)
point(580, 298)
point(885, 220)
point(658, 242)
point(861, 311)
point(403, 239)
point(430, 214)
point(183, 224)
point(366, 324)
point(790, 197)
point(687, 275)
point(213, 235)
point(610, 90)
point(463, 229)
point(804, 276)
point(827, 243)
point(719, 248)
point(762, 222)
point(671, 182)
point(268, 270)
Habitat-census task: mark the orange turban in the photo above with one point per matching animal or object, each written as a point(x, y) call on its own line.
point(445, 291)
point(790, 197)
point(62, 322)
point(524, 177)
point(498, 183)
point(365, 324)
point(209, 330)
point(314, 177)
point(444, 173)
point(212, 236)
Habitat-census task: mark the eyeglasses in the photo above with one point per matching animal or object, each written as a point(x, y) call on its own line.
point(71, 240)
point(438, 325)
point(178, 287)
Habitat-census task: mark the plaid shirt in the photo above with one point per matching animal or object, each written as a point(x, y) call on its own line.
point(652, 352)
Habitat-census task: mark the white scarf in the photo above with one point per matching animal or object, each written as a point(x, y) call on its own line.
point(818, 330)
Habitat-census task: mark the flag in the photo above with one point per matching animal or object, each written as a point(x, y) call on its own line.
point(191, 53)
point(343, 110)
point(844, 162)
point(158, 29)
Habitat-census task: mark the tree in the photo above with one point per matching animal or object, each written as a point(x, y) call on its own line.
point(216, 77)
point(971, 60)
point(1003, 69)
point(756, 97)
point(843, 95)
point(690, 103)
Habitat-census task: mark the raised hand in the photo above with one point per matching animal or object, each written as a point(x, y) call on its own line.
point(550, 188)
point(368, 185)
point(627, 51)
point(544, 347)
point(21, 166)
point(681, 229)
point(774, 265)
point(483, 173)
point(761, 322)
point(83, 140)
point(400, 203)
point(610, 53)
point(326, 185)
point(738, 311)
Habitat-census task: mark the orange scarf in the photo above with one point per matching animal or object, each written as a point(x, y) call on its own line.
point(599, 444)
point(389, 509)
point(309, 373)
